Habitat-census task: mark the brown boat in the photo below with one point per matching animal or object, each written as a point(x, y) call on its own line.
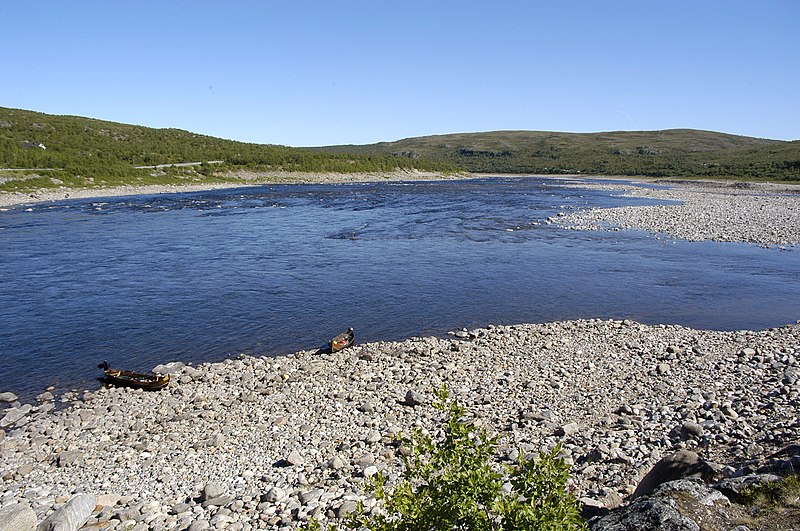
point(343, 340)
point(133, 379)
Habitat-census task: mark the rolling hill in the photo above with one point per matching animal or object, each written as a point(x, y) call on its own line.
point(73, 151)
point(668, 153)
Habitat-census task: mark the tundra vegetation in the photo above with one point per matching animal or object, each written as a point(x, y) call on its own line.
point(74, 152)
point(667, 153)
point(86, 153)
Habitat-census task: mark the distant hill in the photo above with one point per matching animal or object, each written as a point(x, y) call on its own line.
point(668, 153)
point(84, 152)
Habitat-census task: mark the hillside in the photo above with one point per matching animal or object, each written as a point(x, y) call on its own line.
point(84, 152)
point(668, 153)
point(87, 153)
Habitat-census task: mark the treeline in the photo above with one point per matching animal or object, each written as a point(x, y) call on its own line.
point(80, 150)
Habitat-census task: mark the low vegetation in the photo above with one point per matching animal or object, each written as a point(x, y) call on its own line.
point(76, 152)
point(772, 505)
point(71, 151)
point(669, 153)
point(453, 482)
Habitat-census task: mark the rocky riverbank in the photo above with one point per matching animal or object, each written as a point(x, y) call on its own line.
point(232, 180)
point(271, 442)
point(760, 213)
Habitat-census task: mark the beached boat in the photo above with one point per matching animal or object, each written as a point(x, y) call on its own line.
point(133, 379)
point(343, 340)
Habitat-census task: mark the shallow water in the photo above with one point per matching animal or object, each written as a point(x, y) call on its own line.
point(200, 276)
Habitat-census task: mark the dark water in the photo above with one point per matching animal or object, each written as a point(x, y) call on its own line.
point(201, 276)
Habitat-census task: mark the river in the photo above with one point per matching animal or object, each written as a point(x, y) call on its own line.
point(271, 270)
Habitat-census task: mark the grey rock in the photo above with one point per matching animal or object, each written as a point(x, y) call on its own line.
point(275, 494)
point(8, 397)
point(691, 430)
point(335, 463)
point(17, 517)
point(414, 398)
point(71, 516)
point(218, 501)
point(47, 396)
point(70, 457)
point(676, 466)
point(372, 437)
point(567, 430)
point(213, 489)
point(646, 513)
point(295, 459)
point(14, 415)
point(179, 508)
point(172, 367)
point(365, 459)
point(199, 525)
point(346, 508)
point(215, 440)
point(310, 496)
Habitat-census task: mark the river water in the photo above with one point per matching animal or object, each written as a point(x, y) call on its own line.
point(270, 270)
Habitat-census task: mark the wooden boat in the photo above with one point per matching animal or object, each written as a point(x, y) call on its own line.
point(133, 379)
point(343, 340)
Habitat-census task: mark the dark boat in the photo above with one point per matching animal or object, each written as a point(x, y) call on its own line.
point(133, 379)
point(343, 340)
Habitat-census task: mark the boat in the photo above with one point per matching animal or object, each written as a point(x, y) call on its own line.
point(133, 379)
point(343, 340)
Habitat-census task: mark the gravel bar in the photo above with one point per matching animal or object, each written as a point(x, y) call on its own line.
point(268, 443)
point(759, 213)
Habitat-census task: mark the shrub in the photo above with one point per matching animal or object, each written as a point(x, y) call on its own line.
point(451, 484)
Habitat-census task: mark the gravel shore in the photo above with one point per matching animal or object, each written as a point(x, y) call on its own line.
point(270, 442)
point(236, 180)
point(759, 213)
point(261, 442)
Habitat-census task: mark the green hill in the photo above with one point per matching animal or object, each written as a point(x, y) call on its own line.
point(84, 152)
point(668, 153)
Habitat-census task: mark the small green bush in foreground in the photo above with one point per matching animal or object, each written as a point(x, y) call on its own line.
point(450, 484)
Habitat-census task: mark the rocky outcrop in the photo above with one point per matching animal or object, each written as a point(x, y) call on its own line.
point(682, 493)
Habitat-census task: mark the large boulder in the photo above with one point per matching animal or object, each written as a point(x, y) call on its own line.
point(675, 506)
point(17, 517)
point(676, 466)
point(72, 515)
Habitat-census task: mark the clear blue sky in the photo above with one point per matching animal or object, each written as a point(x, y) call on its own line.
point(305, 73)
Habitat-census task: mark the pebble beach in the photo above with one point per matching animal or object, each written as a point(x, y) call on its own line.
point(269, 443)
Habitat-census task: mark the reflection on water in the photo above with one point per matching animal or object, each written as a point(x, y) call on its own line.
point(270, 270)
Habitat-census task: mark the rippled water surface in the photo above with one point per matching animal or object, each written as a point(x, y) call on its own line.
point(201, 276)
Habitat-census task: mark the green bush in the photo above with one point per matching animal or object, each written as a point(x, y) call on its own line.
point(451, 484)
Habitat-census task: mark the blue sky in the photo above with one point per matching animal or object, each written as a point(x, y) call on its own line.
point(305, 73)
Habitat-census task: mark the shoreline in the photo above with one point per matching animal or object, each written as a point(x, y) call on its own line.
point(244, 179)
point(766, 214)
point(285, 439)
point(281, 440)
